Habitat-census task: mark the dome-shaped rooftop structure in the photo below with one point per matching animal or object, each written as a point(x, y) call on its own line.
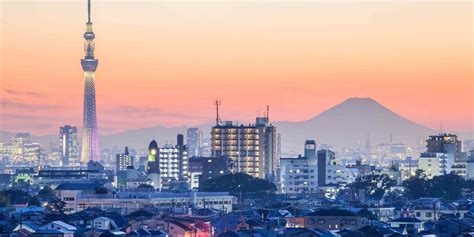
point(153, 145)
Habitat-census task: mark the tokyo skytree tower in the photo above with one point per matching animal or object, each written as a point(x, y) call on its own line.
point(90, 138)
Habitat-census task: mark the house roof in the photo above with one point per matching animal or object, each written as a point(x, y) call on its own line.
point(64, 225)
point(406, 219)
point(78, 186)
point(332, 212)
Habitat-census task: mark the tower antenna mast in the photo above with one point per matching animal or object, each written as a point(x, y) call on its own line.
point(88, 11)
point(268, 112)
point(218, 119)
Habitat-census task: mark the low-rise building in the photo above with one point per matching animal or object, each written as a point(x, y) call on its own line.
point(79, 197)
point(330, 219)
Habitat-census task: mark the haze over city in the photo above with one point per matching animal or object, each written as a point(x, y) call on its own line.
point(163, 63)
point(236, 118)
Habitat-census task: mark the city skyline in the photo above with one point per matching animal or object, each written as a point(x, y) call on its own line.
point(236, 118)
point(151, 70)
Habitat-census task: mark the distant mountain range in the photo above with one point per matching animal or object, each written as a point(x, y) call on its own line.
point(348, 124)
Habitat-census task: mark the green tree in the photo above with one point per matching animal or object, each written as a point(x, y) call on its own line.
point(236, 184)
point(468, 187)
point(416, 186)
point(145, 186)
point(4, 200)
point(375, 185)
point(447, 186)
point(13, 196)
point(46, 192)
point(34, 201)
point(101, 190)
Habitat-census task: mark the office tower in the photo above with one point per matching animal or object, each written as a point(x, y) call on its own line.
point(68, 144)
point(123, 161)
point(90, 138)
point(32, 153)
point(153, 165)
point(17, 146)
point(23, 151)
point(194, 142)
point(252, 148)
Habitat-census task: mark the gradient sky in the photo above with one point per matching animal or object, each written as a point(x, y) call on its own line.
point(164, 62)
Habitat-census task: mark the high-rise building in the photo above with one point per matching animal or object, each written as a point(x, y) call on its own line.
point(194, 141)
point(325, 158)
point(168, 164)
point(183, 158)
point(68, 144)
point(252, 148)
point(23, 151)
point(17, 146)
point(90, 138)
point(443, 143)
point(174, 162)
point(123, 161)
point(442, 151)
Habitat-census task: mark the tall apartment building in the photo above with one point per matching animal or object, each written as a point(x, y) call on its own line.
point(299, 174)
point(194, 141)
point(331, 170)
point(443, 143)
point(442, 151)
point(252, 148)
point(68, 145)
point(168, 163)
point(123, 161)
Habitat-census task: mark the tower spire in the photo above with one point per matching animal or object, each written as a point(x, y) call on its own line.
point(90, 138)
point(88, 11)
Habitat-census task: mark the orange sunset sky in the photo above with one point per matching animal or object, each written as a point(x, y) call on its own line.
point(164, 62)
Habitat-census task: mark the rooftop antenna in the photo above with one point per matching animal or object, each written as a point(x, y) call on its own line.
point(217, 103)
point(268, 112)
